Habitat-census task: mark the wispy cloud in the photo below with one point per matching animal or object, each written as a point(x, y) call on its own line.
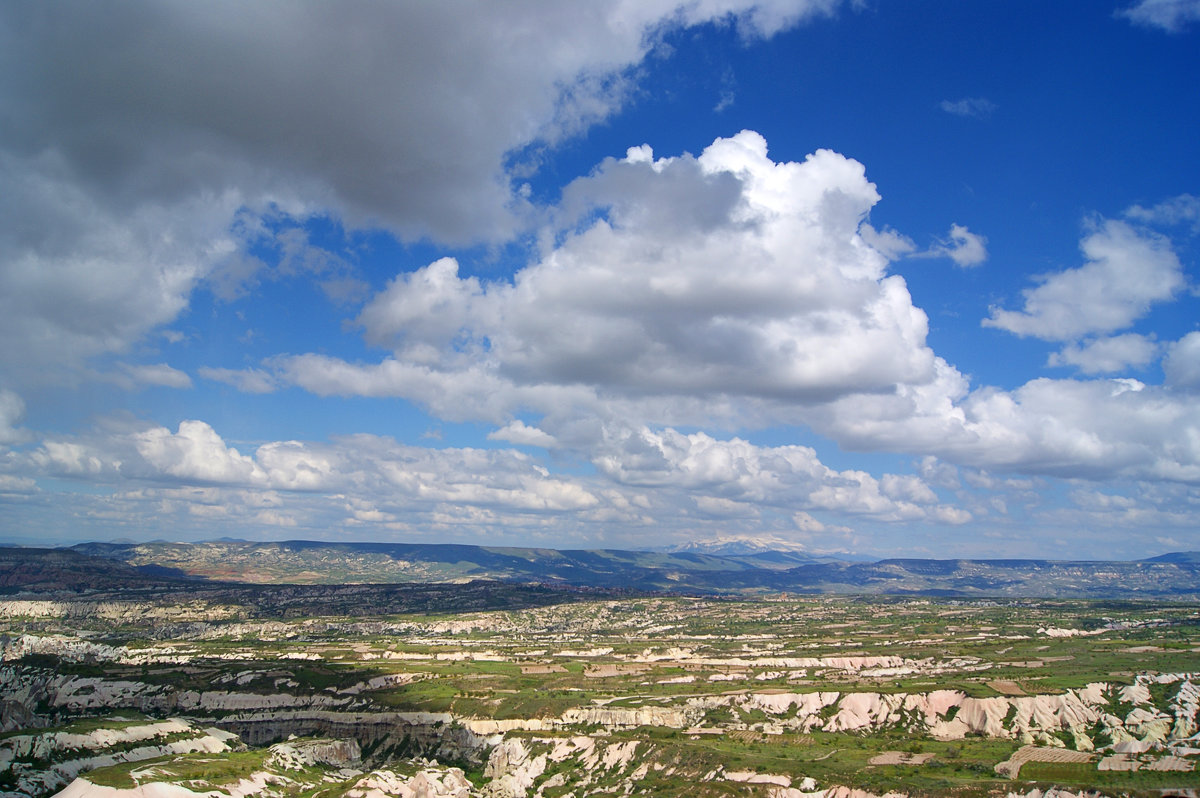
point(977, 107)
point(1183, 210)
point(965, 248)
point(1173, 16)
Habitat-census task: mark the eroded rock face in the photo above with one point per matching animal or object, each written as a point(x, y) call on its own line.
point(951, 715)
point(619, 717)
point(62, 755)
point(429, 783)
point(298, 754)
point(511, 769)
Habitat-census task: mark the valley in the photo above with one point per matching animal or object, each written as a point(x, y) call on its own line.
point(491, 689)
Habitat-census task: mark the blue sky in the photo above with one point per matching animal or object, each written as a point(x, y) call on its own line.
point(885, 278)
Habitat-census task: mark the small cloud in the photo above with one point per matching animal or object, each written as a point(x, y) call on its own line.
point(247, 380)
point(1125, 385)
point(1127, 271)
point(965, 248)
point(520, 433)
point(977, 107)
point(1107, 355)
point(1172, 16)
point(728, 91)
point(13, 484)
point(160, 375)
point(1183, 210)
point(954, 516)
point(806, 523)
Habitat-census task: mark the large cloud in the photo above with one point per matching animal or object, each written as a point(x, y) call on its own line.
point(133, 133)
point(736, 473)
point(731, 289)
point(1096, 429)
point(725, 274)
point(352, 107)
point(676, 483)
point(80, 278)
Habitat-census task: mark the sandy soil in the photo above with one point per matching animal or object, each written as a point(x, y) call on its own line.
point(1006, 687)
point(900, 758)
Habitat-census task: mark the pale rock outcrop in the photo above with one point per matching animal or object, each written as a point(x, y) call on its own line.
point(865, 711)
point(1150, 725)
point(618, 755)
point(299, 754)
point(383, 682)
point(511, 769)
point(781, 703)
point(750, 777)
point(69, 754)
point(47, 746)
point(487, 726)
point(563, 749)
point(428, 783)
point(621, 717)
point(932, 707)
point(1185, 708)
point(1136, 693)
point(983, 716)
point(82, 788)
point(1050, 631)
point(1052, 712)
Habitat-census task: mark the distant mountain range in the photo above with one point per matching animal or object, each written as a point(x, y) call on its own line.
point(107, 565)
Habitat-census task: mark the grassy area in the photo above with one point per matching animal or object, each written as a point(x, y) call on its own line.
point(213, 770)
point(1086, 775)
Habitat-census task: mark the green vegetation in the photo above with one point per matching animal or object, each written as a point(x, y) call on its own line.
point(208, 769)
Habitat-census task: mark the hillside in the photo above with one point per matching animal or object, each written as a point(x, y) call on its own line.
point(313, 562)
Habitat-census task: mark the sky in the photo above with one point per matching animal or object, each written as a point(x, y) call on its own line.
point(880, 278)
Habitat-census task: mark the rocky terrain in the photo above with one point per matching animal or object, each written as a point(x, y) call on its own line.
point(233, 693)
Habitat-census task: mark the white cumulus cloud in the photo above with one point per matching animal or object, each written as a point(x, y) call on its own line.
point(196, 453)
point(1107, 355)
point(965, 248)
point(1127, 271)
point(723, 274)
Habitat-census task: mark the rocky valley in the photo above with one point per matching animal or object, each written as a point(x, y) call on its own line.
point(169, 687)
